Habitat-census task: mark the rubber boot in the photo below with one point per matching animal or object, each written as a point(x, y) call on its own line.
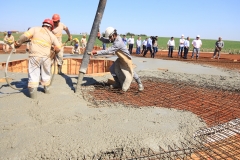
point(46, 89)
point(60, 70)
point(33, 93)
point(116, 84)
point(140, 85)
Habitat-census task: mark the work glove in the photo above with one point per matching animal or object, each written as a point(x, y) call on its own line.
point(16, 44)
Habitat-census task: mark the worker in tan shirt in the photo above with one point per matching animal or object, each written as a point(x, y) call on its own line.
point(57, 31)
point(8, 42)
point(84, 41)
point(39, 63)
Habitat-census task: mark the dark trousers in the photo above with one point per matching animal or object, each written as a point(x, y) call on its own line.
point(170, 51)
point(130, 48)
point(180, 51)
point(148, 49)
point(144, 49)
point(154, 52)
point(185, 52)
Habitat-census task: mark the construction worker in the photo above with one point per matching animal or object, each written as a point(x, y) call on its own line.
point(84, 41)
point(57, 31)
point(8, 42)
point(123, 62)
point(76, 47)
point(39, 64)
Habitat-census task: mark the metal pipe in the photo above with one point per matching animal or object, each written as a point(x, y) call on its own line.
point(90, 43)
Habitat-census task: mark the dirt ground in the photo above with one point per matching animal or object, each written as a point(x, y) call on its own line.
point(62, 125)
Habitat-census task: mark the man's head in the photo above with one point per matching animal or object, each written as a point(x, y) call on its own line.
point(139, 38)
point(172, 38)
point(197, 37)
point(220, 38)
point(111, 34)
point(182, 36)
point(188, 38)
point(9, 33)
point(48, 23)
point(56, 19)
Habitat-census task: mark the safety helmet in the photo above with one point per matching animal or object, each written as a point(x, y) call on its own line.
point(9, 32)
point(48, 22)
point(56, 17)
point(109, 31)
point(198, 36)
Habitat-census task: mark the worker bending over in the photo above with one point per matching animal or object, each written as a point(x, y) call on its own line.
point(39, 63)
point(122, 69)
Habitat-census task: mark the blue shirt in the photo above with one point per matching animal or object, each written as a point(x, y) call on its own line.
point(149, 42)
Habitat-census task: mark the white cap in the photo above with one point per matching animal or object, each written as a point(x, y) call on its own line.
point(198, 36)
point(182, 35)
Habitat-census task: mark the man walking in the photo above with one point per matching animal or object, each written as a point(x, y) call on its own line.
point(39, 64)
point(8, 42)
point(218, 47)
point(170, 45)
point(149, 47)
point(130, 43)
point(197, 43)
point(181, 46)
point(57, 31)
point(124, 40)
point(138, 45)
point(186, 47)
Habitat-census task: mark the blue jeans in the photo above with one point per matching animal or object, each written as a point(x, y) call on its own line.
point(197, 50)
point(180, 51)
point(138, 50)
point(154, 52)
point(170, 51)
point(104, 46)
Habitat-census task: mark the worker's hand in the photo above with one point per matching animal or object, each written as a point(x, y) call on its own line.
point(94, 52)
point(16, 44)
point(69, 38)
point(98, 35)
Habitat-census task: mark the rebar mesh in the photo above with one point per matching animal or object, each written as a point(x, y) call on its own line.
point(216, 105)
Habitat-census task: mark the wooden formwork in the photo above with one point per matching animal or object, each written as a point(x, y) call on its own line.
point(70, 66)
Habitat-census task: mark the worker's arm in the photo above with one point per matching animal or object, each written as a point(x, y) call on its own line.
point(57, 45)
point(104, 40)
point(68, 33)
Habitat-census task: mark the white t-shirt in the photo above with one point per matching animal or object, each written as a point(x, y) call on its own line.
point(130, 40)
point(182, 40)
point(197, 43)
point(171, 43)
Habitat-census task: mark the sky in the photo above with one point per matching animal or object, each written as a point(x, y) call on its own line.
point(164, 18)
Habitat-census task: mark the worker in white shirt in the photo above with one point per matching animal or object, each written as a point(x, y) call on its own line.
point(186, 47)
point(197, 43)
point(181, 46)
point(130, 43)
point(170, 45)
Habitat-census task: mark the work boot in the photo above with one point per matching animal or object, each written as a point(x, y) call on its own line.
point(60, 70)
point(116, 84)
point(33, 93)
point(140, 85)
point(46, 89)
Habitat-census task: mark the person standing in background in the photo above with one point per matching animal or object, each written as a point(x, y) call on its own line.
point(186, 47)
point(197, 43)
point(181, 46)
point(144, 43)
point(138, 45)
point(84, 41)
point(218, 47)
point(170, 45)
point(149, 47)
point(130, 43)
point(155, 46)
point(124, 40)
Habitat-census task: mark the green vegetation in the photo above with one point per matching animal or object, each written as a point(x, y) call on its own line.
point(208, 45)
